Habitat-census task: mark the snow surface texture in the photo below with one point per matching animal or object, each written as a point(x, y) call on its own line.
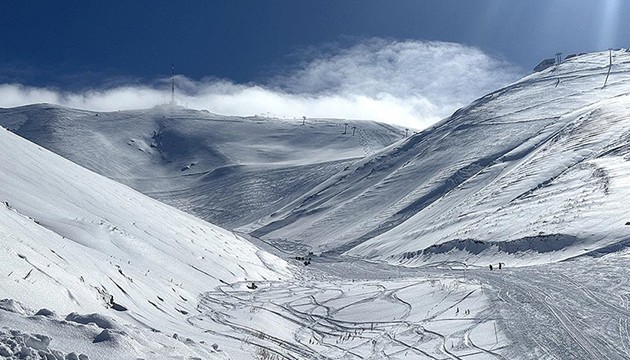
point(227, 170)
point(74, 241)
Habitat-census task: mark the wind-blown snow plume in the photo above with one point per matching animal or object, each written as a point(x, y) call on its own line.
point(410, 83)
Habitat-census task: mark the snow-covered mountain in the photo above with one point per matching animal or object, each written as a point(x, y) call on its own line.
point(537, 171)
point(227, 170)
point(534, 173)
point(91, 269)
point(72, 241)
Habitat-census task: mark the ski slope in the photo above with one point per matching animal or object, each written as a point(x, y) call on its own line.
point(227, 170)
point(572, 310)
point(535, 172)
point(576, 309)
point(72, 241)
point(353, 316)
point(92, 269)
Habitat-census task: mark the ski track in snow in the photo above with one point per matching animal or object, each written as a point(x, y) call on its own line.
point(569, 310)
point(564, 311)
point(331, 317)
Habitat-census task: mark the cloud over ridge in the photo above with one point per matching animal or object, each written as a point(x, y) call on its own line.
point(410, 83)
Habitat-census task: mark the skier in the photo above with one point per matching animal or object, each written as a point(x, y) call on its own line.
point(490, 266)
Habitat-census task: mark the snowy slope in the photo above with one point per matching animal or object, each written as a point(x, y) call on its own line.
point(70, 240)
point(227, 170)
point(534, 172)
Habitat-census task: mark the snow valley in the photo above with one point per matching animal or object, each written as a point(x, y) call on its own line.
point(499, 232)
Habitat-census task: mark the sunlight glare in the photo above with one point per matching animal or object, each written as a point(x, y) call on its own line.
point(610, 24)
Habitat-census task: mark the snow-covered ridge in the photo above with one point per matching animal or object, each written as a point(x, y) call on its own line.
point(74, 241)
point(544, 158)
point(227, 170)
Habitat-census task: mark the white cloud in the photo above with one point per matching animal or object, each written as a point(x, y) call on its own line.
point(410, 83)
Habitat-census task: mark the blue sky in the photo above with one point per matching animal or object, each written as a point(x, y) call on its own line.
point(76, 47)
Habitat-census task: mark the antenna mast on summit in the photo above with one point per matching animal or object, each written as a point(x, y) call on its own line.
point(172, 83)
